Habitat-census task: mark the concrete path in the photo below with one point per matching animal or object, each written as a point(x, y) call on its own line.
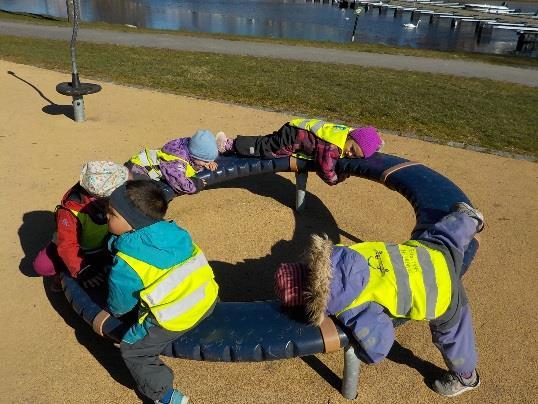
point(528, 77)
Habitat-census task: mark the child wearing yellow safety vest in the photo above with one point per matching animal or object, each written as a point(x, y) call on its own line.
point(367, 285)
point(158, 268)
point(312, 139)
point(79, 243)
point(176, 163)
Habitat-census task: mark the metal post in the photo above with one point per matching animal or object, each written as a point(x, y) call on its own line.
point(350, 381)
point(69, 6)
point(76, 16)
point(75, 88)
point(357, 13)
point(78, 101)
point(300, 187)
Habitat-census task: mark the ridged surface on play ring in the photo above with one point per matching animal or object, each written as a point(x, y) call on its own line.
point(258, 331)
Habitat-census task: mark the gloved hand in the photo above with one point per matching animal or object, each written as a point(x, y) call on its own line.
point(92, 276)
point(95, 281)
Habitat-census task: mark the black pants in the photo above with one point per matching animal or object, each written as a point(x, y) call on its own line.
point(151, 375)
point(153, 378)
point(267, 146)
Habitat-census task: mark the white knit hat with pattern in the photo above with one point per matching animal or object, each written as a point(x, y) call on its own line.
point(100, 178)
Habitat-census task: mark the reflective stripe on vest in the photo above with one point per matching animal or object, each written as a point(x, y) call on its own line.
point(410, 280)
point(149, 159)
point(330, 132)
point(93, 235)
point(179, 296)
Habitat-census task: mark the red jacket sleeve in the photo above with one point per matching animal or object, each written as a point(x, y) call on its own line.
point(327, 156)
point(69, 250)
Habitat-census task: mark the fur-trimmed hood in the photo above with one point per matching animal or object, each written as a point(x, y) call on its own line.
point(317, 291)
point(337, 276)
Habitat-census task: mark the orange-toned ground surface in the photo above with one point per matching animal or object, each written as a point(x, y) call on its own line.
point(245, 227)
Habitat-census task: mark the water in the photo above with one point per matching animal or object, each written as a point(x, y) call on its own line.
point(295, 19)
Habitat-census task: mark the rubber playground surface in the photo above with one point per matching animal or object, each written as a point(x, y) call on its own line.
point(246, 227)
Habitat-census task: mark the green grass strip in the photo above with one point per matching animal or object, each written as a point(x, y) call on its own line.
point(507, 60)
point(490, 114)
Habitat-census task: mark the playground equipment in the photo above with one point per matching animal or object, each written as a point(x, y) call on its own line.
point(75, 88)
point(261, 330)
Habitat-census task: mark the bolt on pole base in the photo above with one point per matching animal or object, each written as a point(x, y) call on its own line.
point(78, 109)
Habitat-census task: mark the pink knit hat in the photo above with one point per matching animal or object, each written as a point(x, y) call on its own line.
point(289, 280)
point(368, 140)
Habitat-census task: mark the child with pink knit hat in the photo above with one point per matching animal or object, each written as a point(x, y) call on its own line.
point(312, 139)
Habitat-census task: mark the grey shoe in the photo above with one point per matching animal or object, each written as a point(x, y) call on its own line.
point(451, 384)
point(472, 213)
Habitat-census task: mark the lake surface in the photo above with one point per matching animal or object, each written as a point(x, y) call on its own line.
point(295, 19)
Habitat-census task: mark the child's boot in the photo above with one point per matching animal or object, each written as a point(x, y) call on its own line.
point(453, 384)
point(472, 213)
point(224, 144)
point(173, 396)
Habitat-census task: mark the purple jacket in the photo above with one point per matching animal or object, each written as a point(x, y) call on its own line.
point(174, 171)
point(371, 324)
point(325, 154)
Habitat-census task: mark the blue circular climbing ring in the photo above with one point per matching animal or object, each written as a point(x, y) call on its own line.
point(258, 331)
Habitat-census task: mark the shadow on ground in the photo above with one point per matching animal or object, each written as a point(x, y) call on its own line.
point(52, 108)
point(249, 280)
point(34, 234)
point(252, 279)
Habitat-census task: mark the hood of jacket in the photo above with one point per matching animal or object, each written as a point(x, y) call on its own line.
point(162, 244)
point(337, 276)
point(178, 147)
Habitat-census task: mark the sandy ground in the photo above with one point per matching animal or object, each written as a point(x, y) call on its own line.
point(49, 355)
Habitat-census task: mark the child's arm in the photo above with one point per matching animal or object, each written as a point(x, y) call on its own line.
point(174, 173)
point(123, 287)
point(68, 236)
point(372, 329)
point(327, 156)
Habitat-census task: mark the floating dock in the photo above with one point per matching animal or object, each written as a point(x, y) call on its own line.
point(525, 25)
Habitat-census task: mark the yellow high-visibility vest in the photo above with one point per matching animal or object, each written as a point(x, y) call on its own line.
point(410, 280)
point(93, 235)
point(330, 132)
point(179, 296)
point(149, 159)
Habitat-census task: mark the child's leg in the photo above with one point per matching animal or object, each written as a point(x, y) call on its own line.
point(151, 375)
point(455, 231)
point(47, 262)
point(457, 345)
point(277, 144)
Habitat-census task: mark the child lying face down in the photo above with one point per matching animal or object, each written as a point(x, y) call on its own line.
point(314, 139)
point(368, 284)
point(176, 164)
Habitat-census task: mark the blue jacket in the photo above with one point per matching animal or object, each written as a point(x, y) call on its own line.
point(163, 245)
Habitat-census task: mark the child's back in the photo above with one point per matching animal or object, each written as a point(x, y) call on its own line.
point(314, 139)
point(158, 267)
point(177, 163)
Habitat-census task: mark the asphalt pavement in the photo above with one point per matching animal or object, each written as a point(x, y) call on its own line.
point(524, 76)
